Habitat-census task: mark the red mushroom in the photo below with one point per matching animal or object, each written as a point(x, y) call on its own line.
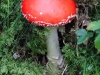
point(51, 14)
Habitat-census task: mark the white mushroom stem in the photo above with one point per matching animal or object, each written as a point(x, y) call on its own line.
point(54, 53)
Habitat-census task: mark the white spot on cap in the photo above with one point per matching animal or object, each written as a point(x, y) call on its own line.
point(41, 13)
point(52, 10)
point(69, 21)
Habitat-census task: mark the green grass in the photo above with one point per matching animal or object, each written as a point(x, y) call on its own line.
point(9, 66)
point(87, 63)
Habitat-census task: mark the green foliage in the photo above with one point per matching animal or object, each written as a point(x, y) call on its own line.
point(82, 35)
point(95, 26)
point(83, 59)
point(97, 42)
point(36, 41)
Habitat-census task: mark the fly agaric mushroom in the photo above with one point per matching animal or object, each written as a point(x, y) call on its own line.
point(51, 14)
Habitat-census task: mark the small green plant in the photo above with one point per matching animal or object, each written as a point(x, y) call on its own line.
point(83, 35)
point(95, 26)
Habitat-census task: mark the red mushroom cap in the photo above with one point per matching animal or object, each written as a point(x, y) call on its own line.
point(49, 12)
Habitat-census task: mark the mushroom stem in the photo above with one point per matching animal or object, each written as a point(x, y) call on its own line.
point(54, 54)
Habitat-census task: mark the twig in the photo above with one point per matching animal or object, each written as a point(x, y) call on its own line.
point(64, 70)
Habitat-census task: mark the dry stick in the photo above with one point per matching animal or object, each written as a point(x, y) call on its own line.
point(76, 28)
point(77, 53)
point(64, 70)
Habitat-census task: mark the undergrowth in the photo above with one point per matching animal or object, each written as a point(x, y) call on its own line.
point(82, 56)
